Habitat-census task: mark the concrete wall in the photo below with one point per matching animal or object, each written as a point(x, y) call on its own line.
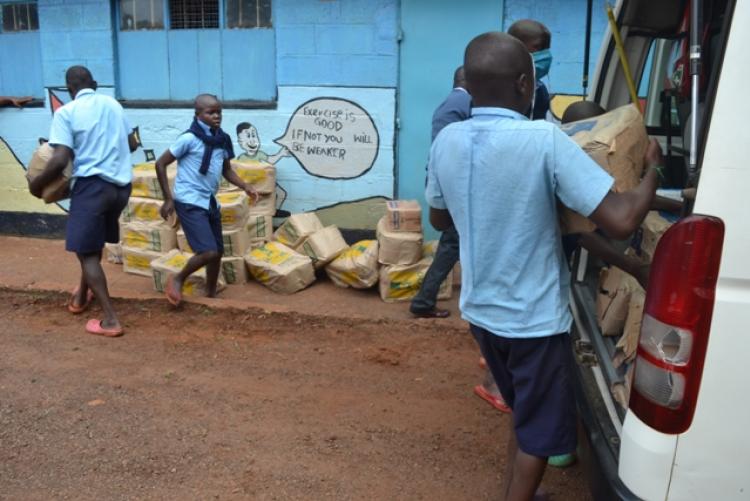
point(343, 50)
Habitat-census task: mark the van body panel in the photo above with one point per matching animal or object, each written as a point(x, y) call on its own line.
point(646, 458)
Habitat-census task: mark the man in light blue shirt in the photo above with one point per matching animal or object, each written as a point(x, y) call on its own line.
point(514, 279)
point(93, 132)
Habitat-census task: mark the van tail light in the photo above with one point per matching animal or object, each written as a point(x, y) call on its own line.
point(676, 323)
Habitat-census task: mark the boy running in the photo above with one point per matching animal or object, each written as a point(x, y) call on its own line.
point(203, 153)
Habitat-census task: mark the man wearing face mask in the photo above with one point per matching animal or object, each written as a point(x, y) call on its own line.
point(537, 39)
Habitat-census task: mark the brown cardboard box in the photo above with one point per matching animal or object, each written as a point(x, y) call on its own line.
point(113, 253)
point(649, 234)
point(235, 207)
point(296, 228)
point(266, 205)
point(234, 270)
point(403, 215)
point(612, 300)
point(138, 261)
point(259, 226)
point(398, 247)
point(142, 210)
point(402, 282)
point(236, 242)
point(430, 248)
point(146, 184)
point(356, 267)
point(261, 175)
point(57, 190)
point(617, 141)
point(324, 246)
point(628, 343)
point(154, 236)
point(171, 264)
point(280, 268)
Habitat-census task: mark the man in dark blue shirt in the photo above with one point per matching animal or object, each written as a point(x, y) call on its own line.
point(455, 108)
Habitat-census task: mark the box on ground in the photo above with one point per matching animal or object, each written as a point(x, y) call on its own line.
point(234, 270)
point(138, 261)
point(113, 253)
point(172, 263)
point(403, 215)
point(58, 189)
point(617, 141)
point(266, 205)
point(261, 175)
point(236, 242)
point(143, 210)
point(398, 247)
point(259, 226)
point(280, 268)
point(234, 209)
point(402, 282)
point(154, 236)
point(296, 228)
point(356, 267)
point(324, 246)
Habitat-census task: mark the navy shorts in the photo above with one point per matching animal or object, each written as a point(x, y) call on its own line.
point(95, 206)
point(202, 227)
point(534, 378)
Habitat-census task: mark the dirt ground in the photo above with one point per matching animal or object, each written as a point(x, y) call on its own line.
point(241, 404)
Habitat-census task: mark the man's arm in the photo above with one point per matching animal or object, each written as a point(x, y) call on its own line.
point(161, 174)
point(54, 168)
point(231, 176)
point(133, 140)
point(440, 219)
point(619, 214)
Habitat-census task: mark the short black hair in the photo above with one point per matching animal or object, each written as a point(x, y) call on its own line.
point(243, 126)
point(200, 101)
point(79, 77)
point(581, 110)
point(530, 31)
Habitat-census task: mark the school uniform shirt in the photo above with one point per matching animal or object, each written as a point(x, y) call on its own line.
point(455, 107)
point(190, 186)
point(95, 128)
point(498, 174)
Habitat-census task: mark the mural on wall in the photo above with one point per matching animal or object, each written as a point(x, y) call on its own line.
point(331, 158)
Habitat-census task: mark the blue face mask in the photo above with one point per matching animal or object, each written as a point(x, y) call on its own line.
point(542, 62)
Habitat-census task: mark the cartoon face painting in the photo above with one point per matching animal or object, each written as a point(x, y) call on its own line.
point(248, 140)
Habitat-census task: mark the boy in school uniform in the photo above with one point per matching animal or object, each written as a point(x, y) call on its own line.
point(203, 153)
point(514, 289)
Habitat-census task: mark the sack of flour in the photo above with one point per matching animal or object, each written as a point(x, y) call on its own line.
point(356, 267)
point(296, 228)
point(398, 247)
point(323, 246)
point(171, 264)
point(280, 268)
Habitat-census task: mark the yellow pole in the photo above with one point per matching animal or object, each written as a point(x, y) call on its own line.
point(623, 57)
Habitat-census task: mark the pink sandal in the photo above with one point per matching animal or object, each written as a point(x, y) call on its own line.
point(95, 327)
point(77, 309)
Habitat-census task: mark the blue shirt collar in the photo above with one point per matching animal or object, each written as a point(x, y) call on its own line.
point(498, 112)
point(84, 92)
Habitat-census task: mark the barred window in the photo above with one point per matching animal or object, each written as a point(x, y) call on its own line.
point(20, 17)
point(248, 14)
point(141, 15)
point(193, 14)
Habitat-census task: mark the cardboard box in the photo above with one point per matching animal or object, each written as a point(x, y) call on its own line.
point(403, 215)
point(429, 249)
point(612, 300)
point(236, 242)
point(280, 268)
point(145, 182)
point(259, 226)
point(266, 205)
point(261, 175)
point(296, 228)
point(356, 267)
point(234, 270)
point(138, 261)
point(617, 141)
point(142, 210)
point(58, 189)
point(648, 235)
point(402, 282)
point(628, 342)
point(324, 246)
point(234, 209)
point(154, 236)
point(171, 264)
point(398, 247)
point(113, 253)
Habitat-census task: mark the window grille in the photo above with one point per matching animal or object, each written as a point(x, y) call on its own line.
point(19, 17)
point(248, 14)
point(193, 14)
point(141, 15)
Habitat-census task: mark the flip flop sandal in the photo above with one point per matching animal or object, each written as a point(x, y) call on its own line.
point(434, 313)
point(562, 461)
point(77, 309)
point(491, 399)
point(94, 326)
point(173, 297)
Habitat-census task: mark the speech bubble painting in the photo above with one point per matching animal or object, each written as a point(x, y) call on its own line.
point(332, 138)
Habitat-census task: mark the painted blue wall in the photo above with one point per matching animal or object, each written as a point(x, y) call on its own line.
point(21, 68)
point(433, 44)
point(566, 19)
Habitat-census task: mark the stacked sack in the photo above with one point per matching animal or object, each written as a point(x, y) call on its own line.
point(301, 245)
point(144, 235)
point(621, 299)
point(402, 253)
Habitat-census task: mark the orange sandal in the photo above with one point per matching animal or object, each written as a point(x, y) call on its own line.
point(496, 402)
point(173, 296)
point(77, 309)
point(95, 327)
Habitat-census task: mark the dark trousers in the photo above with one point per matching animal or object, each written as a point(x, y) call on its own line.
point(445, 259)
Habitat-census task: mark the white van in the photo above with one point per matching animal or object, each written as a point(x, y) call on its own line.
point(685, 434)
